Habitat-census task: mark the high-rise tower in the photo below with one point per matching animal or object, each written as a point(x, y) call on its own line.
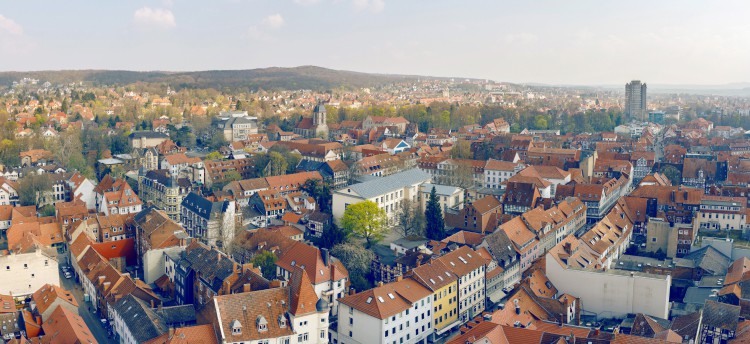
point(635, 100)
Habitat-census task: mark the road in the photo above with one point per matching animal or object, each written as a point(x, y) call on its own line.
point(92, 320)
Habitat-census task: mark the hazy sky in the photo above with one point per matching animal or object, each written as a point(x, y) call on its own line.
point(548, 41)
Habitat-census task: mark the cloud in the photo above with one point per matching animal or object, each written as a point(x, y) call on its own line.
point(269, 23)
point(273, 21)
point(521, 38)
point(306, 2)
point(155, 17)
point(10, 26)
point(374, 6)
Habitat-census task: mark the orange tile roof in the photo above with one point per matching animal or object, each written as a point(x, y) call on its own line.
point(462, 261)
point(387, 300)
point(309, 258)
point(203, 334)
point(64, 327)
point(48, 294)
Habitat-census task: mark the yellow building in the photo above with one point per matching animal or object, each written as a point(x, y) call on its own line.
point(444, 286)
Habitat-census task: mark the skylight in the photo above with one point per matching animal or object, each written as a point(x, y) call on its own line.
point(391, 296)
point(369, 299)
point(380, 298)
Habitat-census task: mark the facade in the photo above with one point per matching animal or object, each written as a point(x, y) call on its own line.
point(163, 190)
point(721, 213)
point(238, 128)
point(497, 171)
point(635, 100)
point(398, 312)
point(444, 287)
point(719, 323)
point(672, 239)
point(116, 197)
point(135, 322)
point(212, 222)
point(448, 196)
point(469, 268)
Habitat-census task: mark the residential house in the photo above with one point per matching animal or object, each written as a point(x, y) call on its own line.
point(146, 139)
point(444, 287)
point(116, 197)
point(469, 268)
point(327, 274)
point(213, 222)
point(164, 190)
point(281, 315)
point(400, 311)
point(481, 216)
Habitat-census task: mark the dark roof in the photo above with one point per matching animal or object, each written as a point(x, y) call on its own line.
point(721, 315)
point(500, 246)
point(143, 323)
point(687, 325)
point(177, 314)
point(212, 266)
point(202, 206)
point(148, 135)
point(318, 216)
point(710, 260)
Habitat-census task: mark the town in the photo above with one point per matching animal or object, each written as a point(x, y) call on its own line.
point(417, 211)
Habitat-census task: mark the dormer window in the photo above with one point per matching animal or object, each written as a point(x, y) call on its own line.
point(236, 327)
point(282, 321)
point(262, 323)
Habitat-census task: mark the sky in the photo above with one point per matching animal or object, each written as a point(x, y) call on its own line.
point(574, 42)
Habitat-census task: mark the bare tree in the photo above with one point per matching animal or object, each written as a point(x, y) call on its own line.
point(409, 219)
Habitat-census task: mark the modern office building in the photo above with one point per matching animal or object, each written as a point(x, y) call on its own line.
point(635, 100)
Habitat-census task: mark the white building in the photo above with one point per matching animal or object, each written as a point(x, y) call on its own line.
point(448, 196)
point(497, 171)
point(396, 313)
point(612, 293)
point(387, 192)
point(24, 273)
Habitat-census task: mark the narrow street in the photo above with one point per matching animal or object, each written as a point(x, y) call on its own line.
point(92, 320)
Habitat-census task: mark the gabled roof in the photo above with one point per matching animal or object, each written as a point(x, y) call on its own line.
point(310, 258)
point(387, 300)
point(46, 296)
point(142, 322)
point(720, 315)
point(64, 327)
point(244, 310)
point(382, 185)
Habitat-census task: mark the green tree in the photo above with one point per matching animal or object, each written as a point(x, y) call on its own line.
point(435, 228)
point(671, 172)
point(365, 220)
point(357, 260)
point(215, 155)
point(266, 261)
point(276, 165)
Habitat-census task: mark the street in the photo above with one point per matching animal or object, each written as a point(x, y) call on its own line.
point(92, 320)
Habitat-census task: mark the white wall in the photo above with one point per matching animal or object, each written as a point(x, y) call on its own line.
point(368, 329)
point(154, 264)
point(23, 274)
point(609, 294)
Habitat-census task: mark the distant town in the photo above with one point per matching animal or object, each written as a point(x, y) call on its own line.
point(417, 210)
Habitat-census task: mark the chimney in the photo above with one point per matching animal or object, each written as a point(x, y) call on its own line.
point(380, 284)
point(326, 256)
point(518, 308)
point(567, 247)
point(246, 287)
point(352, 291)
point(419, 260)
point(152, 304)
point(399, 278)
point(171, 332)
point(218, 256)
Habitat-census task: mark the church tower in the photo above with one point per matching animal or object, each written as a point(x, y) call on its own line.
point(319, 121)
